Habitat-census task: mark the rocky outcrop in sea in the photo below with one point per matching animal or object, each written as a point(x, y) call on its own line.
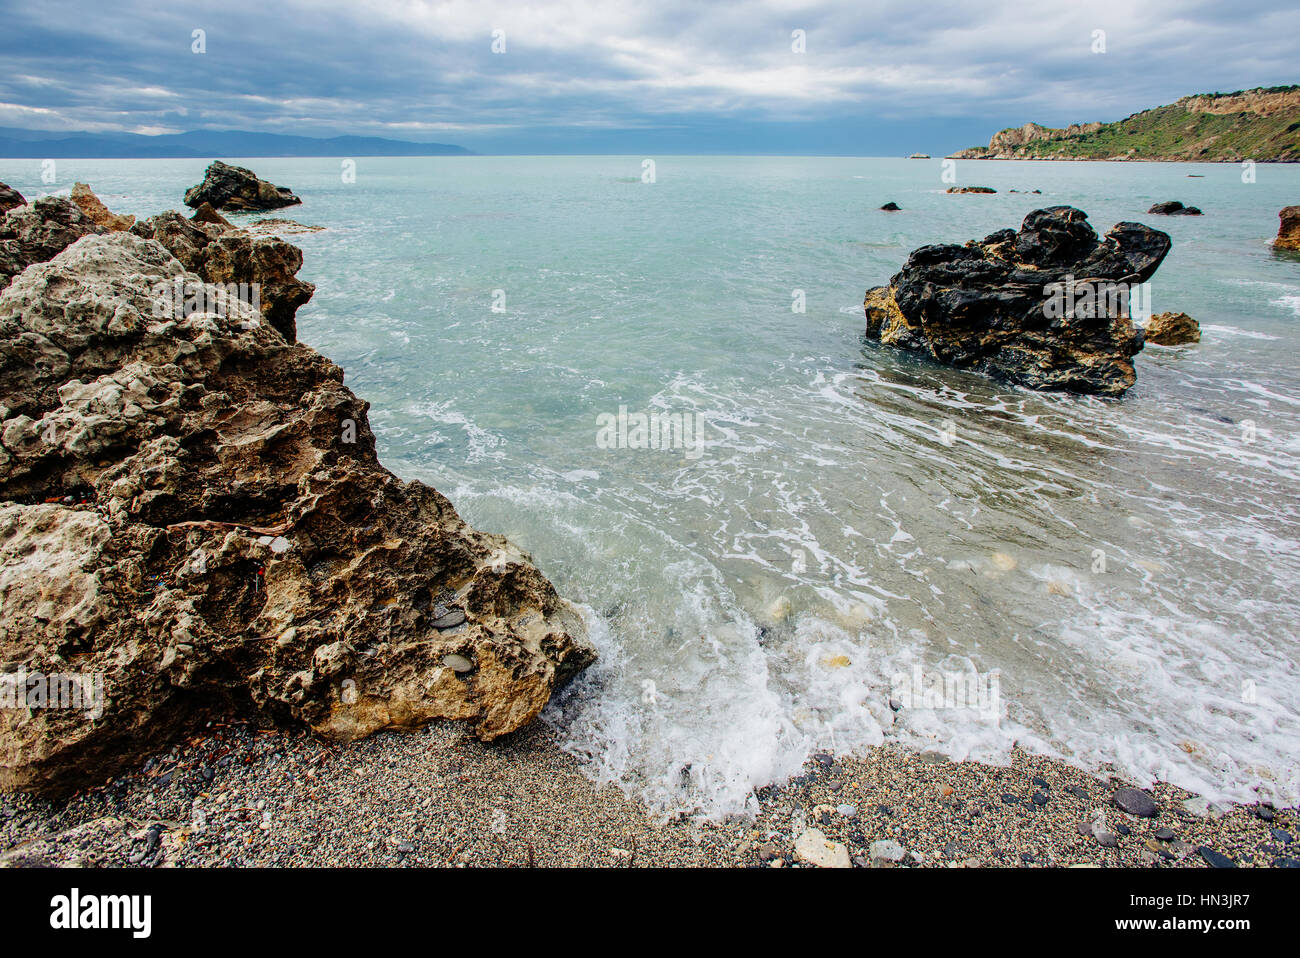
point(1288, 230)
point(194, 525)
point(1046, 307)
point(235, 188)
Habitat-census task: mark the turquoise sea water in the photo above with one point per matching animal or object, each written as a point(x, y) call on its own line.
point(1122, 573)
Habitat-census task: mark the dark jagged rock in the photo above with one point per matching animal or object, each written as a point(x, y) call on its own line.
point(9, 198)
point(223, 255)
point(39, 231)
point(891, 207)
point(971, 189)
point(1045, 307)
point(227, 187)
point(1174, 208)
point(191, 508)
point(1172, 329)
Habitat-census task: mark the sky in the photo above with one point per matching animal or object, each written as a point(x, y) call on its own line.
point(629, 76)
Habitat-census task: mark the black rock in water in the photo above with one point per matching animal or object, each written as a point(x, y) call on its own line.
point(1046, 307)
point(1174, 208)
point(891, 207)
point(227, 187)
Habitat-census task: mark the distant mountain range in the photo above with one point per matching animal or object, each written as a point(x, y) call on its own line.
point(31, 144)
point(1262, 124)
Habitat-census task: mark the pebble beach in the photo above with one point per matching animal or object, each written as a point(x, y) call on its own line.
point(237, 796)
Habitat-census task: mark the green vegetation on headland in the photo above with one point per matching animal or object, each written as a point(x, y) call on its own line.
point(1262, 124)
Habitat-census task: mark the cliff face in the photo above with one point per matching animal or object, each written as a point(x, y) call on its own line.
point(1261, 125)
point(194, 522)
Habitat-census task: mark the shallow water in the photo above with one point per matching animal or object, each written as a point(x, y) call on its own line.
point(1116, 578)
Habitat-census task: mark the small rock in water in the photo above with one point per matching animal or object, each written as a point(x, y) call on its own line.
point(1135, 802)
point(1215, 859)
point(1204, 808)
point(815, 848)
point(891, 207)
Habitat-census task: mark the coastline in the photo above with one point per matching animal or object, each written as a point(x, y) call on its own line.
point(236, 796)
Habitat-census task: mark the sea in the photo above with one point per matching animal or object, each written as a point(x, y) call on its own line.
point(651, 374)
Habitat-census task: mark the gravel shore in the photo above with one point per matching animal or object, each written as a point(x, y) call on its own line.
point(237, 796)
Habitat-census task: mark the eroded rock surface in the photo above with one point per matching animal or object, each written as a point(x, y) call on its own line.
point(227, 187)
point(1045, 307)
point(1172, 329)
point(36, 232)
point(1288, 230)
point(99, 214)
point(225, 254)
point(9, 198)
point(191, 507)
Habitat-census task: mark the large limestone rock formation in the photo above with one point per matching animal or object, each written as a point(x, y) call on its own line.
point(36, 232)
point(1045, 307)
point(191, 507)
point(1288, 230)
point(221, 254)
point(227, 187)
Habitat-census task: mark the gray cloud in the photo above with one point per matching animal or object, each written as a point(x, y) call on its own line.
point(424, 70)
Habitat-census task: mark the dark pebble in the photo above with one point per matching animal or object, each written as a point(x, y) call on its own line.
point(1282, 836)
point(1009, 799)
point(1040, 781)
point(1122, 829)
point(1165, 833)
point(1085, 829)
point(1135, 802)
point(824, 760)
point(1286, 863)
point(1107, 840)
point(1264, 812)
point(1039, 798)
point(450, 620)
point(1215, 859)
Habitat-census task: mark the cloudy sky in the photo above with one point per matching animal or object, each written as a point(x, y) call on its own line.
point(629, 75)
